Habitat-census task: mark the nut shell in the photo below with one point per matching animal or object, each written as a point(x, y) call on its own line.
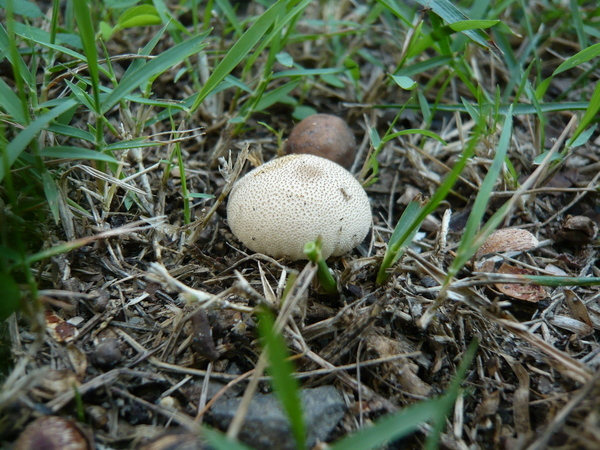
point(507, 240)
point(280, 206)
point(323, 135)
point(52, 433)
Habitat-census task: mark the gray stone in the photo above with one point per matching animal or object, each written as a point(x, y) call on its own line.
point(266, 425)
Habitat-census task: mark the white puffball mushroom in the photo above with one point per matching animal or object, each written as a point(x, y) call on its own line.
point(278, 207)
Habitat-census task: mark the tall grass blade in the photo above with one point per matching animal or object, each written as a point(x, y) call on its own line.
point(590, 114)
point(154, 67)
point(22, 140)
point(219, 441)
point(9, 101)
point(579, 58)
point(281, 370)
point(67, 152)
point(439, 195)
point(398, 425)
point(52, 194)
point(449, 399)
point(239, 51)
point(403, 234)
point(83, 16)
point(452, 14)
point(10, 295)
point(466, 249)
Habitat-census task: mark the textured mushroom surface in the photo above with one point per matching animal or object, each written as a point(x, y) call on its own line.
point(323, 135)
point(278, 207)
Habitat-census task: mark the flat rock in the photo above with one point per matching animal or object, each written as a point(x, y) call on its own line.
point(266, 425)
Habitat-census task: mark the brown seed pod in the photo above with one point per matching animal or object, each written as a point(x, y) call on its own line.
point(507, 240)
point(52, 433)
point(323, 135)
point(579, 230)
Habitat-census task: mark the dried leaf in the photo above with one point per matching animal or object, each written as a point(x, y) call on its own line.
point(60, 330)
point(521, 400)
point(78, 360)
point(573, 325)
point(577, 308)
point(526, 292)
point(577, 230)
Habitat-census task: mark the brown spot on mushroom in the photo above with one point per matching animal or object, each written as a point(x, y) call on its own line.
point(323, 135)
point(346, 196)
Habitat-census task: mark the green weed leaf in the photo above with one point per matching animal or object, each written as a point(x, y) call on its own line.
point(404, 82)
point(139, 16)
point(281, 370)
point(10, 296)
point(22, 140)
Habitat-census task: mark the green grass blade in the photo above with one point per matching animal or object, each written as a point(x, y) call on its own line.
point(307, 72)
point(400, 424)
point(424, 66)
point(449, 399)
point(10, 295)
point(154, 67)
point(219, 441)
point(9, 101)
point(175, 27)
point(66, 130)
point(83, 16)
point(9, 50)
point(277, 95)
point(590, 114)
point(465, 25)
point(452, 15)
point(239, 51)
point(439, 195)
point(466, 249)
point(578, 23)
point(281, 371)
point(391, 427)
point(579, 58)
point(139, 16)
point(403, 234)
point(52, 194)
point(552, 281)
point(229, 12)
point(427, 133)
point(25, 8)
point(68, 152)
point(42, 37)
point(518, 109)
point(22, 140)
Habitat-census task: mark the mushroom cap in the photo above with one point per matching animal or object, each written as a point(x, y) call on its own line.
point(278, 207)
point(323, 135)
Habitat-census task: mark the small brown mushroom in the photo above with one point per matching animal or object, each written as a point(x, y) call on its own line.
point(323, 135)
point(52, 433)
